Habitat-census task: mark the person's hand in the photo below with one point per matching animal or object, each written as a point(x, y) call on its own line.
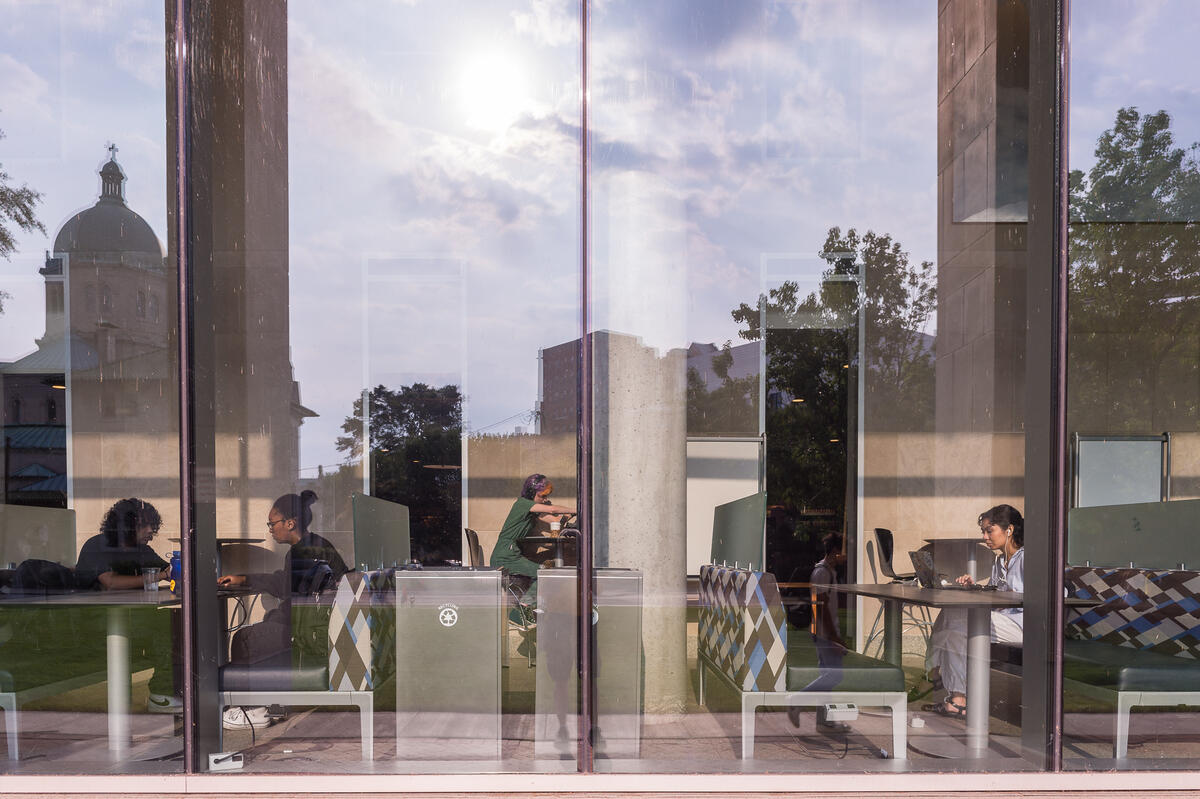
point(164, 573)
point(232, 579)
point(965, 580)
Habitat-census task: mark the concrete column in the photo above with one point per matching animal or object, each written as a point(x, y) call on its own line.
point(641, 498)
point(640, 413)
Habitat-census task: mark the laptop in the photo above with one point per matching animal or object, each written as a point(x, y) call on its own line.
point(927, 576)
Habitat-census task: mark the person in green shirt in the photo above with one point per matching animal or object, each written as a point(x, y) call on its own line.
point(533, 504)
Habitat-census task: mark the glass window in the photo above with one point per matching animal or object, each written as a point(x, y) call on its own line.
point(391, 241)
point(89, 671)
point(1134, 400)
point(809, 260)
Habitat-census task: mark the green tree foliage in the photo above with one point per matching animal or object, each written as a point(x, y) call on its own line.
point(731, 408)
point(416, 452)
point(812, 351)
point(1135, 281)
point(16, 208)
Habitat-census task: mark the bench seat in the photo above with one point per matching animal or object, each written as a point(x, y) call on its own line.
point(858, 672)
point(744, 640)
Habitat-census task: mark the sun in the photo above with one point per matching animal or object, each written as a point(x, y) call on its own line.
point(493, 90)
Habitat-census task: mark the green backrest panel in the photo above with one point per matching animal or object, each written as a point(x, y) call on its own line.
point(738, 531)
point(381, 536)
point(44, 533)
point(1151, 535)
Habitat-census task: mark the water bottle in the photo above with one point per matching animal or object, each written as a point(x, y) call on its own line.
point(176, 571)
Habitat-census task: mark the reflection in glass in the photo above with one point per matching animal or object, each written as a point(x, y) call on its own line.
point(1134, 322)
point(393, 233)
point(810, 283)
point(89, 382)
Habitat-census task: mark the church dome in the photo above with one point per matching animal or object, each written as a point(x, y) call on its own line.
point(109, 225)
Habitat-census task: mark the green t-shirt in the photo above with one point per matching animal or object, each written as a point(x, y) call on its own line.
point(519, 524)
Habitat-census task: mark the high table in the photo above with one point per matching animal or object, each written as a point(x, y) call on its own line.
point(979, 606)
point(556, 540)
point(117, 604)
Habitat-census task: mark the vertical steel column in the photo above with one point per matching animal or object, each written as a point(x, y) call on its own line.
point(187, 460)
point(1061, 452)
point(586, 688)
point(1047, 469)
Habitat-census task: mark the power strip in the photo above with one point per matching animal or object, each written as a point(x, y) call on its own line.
point(841, 712)
point(225, 761)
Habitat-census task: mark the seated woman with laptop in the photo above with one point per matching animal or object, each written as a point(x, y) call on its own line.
point(1003, 532)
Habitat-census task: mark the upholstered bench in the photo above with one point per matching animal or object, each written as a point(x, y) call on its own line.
point(344, 675)
point(743, 638)
point(1141, 640)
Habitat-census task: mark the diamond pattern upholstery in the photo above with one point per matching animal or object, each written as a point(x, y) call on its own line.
point(742, 627)
point(1147, 609)
point(350, 636)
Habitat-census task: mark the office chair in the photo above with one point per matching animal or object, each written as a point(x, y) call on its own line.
point(915, 617)
point(474, 550)
point(885, 546)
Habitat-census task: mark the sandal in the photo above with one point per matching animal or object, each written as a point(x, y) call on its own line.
point(948, 709)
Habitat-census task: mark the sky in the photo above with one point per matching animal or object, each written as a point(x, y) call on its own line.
point(435, 175)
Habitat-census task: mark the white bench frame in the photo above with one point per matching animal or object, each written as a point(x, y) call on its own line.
point(752, 700)
point(363, 700)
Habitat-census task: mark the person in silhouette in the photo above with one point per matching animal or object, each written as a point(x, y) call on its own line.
point(825, 628)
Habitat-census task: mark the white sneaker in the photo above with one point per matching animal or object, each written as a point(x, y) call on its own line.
point(244, 718)
point(162, 703)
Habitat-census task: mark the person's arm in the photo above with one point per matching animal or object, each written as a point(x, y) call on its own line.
point(111, 581)
point(547, 513)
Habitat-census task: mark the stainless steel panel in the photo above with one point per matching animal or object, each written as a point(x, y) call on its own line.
point(448, 637)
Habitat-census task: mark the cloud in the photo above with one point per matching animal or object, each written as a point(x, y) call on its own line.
point(23, 91)
point(552, 23)
point(140, 53)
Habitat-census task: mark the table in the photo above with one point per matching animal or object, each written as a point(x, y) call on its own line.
point(555, 540)
point(979, 606)
point(117, 604)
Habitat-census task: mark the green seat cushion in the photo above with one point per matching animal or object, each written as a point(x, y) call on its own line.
point(858, 672)
point(1123, 668)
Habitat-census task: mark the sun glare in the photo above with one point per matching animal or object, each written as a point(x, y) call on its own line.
point(494, 91)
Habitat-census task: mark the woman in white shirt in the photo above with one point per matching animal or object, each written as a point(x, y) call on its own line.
point(1003, 532)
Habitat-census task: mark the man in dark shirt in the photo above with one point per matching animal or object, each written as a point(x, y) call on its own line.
point(113, 560)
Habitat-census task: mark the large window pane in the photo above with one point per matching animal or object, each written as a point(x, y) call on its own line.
point(809, 255)
point(387, 205)
point(88, 375)
point(1134, 396)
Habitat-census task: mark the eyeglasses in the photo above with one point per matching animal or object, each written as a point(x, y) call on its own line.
point(271, 525)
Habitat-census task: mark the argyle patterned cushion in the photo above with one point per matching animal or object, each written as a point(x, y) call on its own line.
point(1155, 610)
point(350, 636)
point(743, 627)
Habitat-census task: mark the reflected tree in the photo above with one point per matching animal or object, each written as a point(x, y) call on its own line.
point(812, 353)
point(16, 208)
point(1135, 281)
point(416, 459)
point(730, 408)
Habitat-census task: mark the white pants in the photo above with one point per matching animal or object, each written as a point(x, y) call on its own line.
point(948, 644)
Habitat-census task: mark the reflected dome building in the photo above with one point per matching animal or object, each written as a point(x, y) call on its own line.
point(103, 374)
